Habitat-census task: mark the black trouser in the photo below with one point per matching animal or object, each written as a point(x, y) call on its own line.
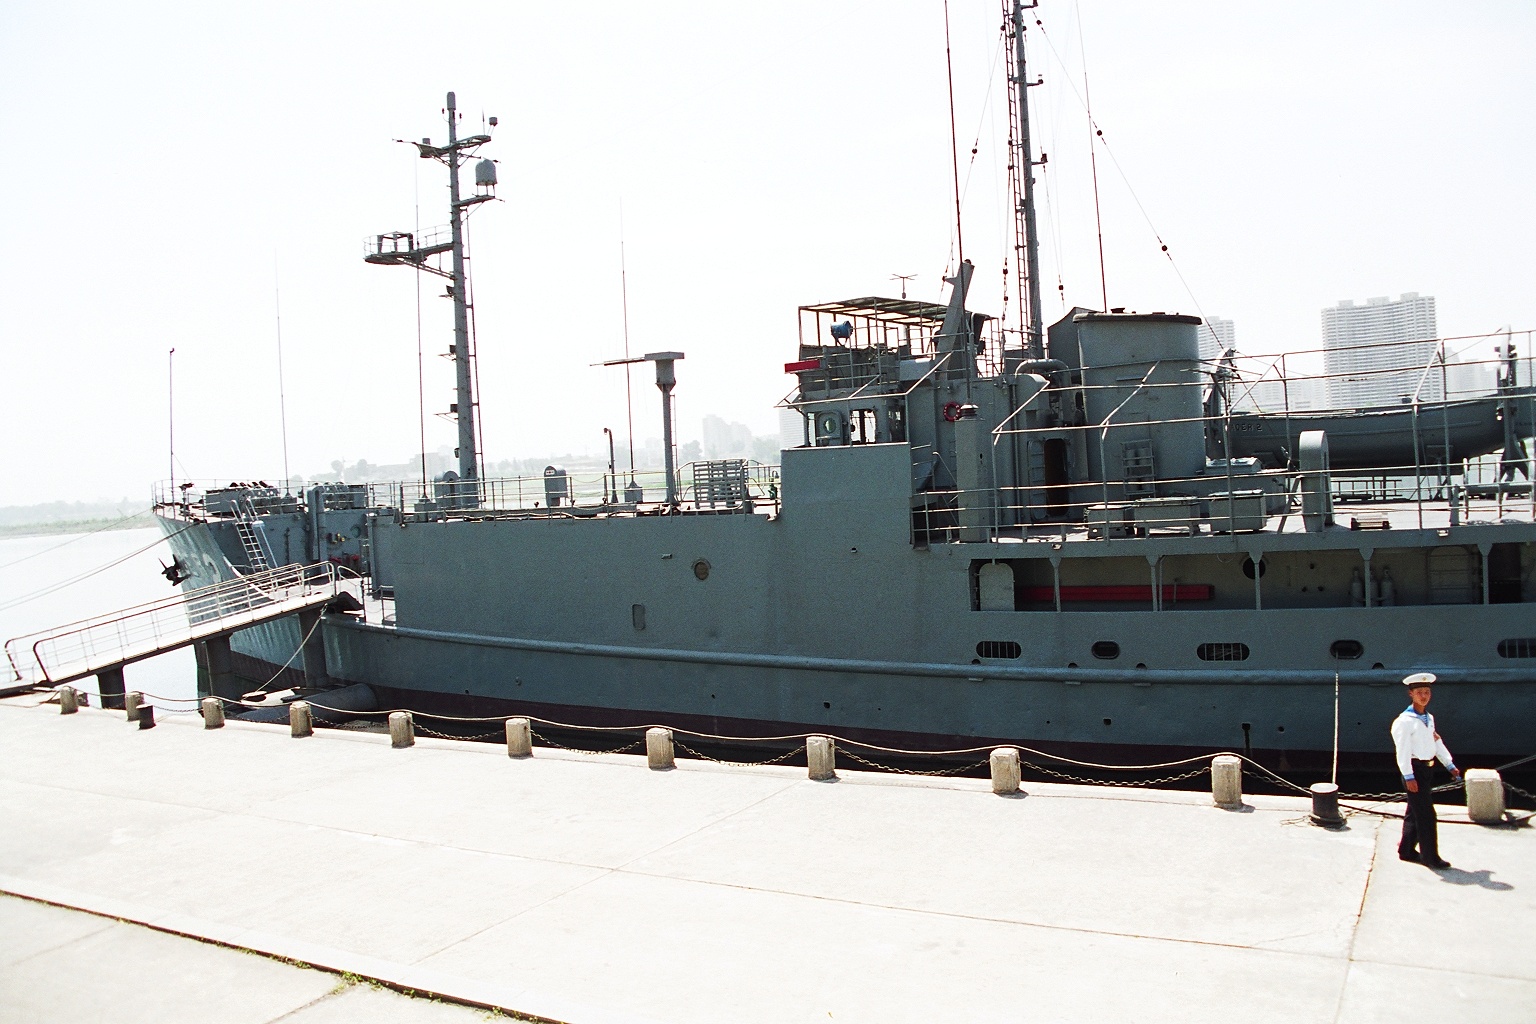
point(1419, 819)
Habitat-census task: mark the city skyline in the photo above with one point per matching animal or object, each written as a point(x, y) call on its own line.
point(1380, 352)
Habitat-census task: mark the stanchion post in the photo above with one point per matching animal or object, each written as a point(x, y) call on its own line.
point(69, 700)
point(301, 722)
point(402, 730)
point(1227, 781)
point(1485, 796)
point(519, 738)
point(821, 758)
point(213, 713)
point(658, 748)
point(131, 704)
point(1005, 770)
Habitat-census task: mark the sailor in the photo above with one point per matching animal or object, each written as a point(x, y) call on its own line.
point(1418, 745)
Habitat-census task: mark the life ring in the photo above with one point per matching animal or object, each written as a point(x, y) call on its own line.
point(951, 411)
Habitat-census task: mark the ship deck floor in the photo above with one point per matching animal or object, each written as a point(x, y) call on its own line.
point(587, 888)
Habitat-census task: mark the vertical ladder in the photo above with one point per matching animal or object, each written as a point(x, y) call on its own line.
point(247, 527)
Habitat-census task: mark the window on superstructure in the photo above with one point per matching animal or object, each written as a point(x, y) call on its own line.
point(862, 426)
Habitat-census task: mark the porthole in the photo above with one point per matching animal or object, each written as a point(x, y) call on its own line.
point(1248, 568)
point(701, 570)
point(1346, 650)
point(999, 649)
point(1520, 647)
point(1106, 650)
point(1222, 652)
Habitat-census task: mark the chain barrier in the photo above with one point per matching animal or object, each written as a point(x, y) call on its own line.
point(446, 736)
point(791, 752)
point(1196, 773)
point(843, 745)
point(578, 750)
point(910, 771)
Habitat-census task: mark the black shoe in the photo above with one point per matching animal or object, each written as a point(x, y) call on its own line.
point(1437, 865)
point(1409, 856)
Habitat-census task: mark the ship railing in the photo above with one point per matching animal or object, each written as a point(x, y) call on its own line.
point(1386, 496)
point(188, 499)
point(1378, 374)
point(752, 486)
point(89, 645)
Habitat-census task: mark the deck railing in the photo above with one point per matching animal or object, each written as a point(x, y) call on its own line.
point(84, 647)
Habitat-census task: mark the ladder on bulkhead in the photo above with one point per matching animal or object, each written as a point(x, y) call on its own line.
point(248, 527)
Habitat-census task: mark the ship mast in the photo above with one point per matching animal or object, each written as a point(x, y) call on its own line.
point(1021, 165)
point(464, 377)
point(403, 248)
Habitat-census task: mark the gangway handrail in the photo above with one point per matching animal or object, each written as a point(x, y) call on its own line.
point(143, 630)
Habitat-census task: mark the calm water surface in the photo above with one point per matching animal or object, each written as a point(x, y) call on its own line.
point(58, 579)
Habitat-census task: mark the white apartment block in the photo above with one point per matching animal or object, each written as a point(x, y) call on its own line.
point(1376, 354)
point(1216, 336)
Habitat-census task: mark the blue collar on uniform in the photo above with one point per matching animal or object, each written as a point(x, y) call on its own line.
point(1423, 718)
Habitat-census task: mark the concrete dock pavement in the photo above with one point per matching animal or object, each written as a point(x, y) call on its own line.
point(589, 888)
point(66, 965)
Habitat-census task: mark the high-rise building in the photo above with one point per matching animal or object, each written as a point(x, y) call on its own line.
point(1216, 336)
point(1377, 354)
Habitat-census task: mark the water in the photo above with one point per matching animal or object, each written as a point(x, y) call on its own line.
point(53, 580)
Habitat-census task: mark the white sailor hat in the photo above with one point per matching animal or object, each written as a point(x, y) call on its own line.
point(1419, 679)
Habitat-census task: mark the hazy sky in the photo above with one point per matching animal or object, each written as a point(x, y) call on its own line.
point(167, 165)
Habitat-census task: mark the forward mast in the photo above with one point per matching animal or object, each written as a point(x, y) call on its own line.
point(403, 248)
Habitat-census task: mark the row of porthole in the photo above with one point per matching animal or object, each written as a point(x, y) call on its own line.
point(1340, 650)
point(1108, 650)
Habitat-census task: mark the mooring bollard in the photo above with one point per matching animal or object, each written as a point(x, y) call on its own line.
point(131, 704)
point(658, 748)
point(1005, 770)
point(146, 716)
point(1325, 804)
point(519, 738)
point(69, 700)
point(1227, 780)
point(402, 730)
point(213, 713)
point(821, 758)
point(300, 721)
point(1485, 796)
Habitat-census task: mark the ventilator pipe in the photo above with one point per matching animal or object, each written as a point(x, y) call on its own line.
point(1041, 367)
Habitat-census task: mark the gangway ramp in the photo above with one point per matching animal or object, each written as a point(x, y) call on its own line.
point(106, 643)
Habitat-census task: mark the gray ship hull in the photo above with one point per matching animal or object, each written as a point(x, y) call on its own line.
point(829, 618)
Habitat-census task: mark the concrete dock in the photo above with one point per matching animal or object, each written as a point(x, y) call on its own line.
point(590, 889)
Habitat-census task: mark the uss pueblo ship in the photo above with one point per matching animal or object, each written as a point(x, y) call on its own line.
point(1080, 537)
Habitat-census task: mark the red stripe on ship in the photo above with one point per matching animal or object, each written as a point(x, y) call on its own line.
point(804, 364)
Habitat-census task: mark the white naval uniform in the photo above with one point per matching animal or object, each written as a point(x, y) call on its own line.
point(1416, 740)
